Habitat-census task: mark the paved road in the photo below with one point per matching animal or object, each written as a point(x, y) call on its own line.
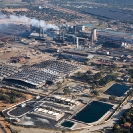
point(112, 121)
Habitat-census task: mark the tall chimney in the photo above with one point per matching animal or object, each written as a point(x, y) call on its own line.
point(42, 32)
point(77, 41)
point(94, 35)
point(39, 31)
point(74, 27)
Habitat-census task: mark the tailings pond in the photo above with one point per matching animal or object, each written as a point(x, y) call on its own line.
point(117, 90)
point(92, 112)
point(67, 124)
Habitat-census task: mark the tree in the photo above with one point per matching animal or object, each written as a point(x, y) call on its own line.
point(130, 93)
point(93, 86)
point(96, 93)
point(5, 97)
point(1, 91)
point(116, 127)
point(79, 74)
point(58, 85)
point(112, 98)
point(114, 76)
point(13, 99)
point(66, 91)
point(123, 121)
point(89, 72)
point(131, 80)
point(114, 66)
point(98, 75)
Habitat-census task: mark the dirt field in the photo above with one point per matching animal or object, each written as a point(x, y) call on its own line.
point(12, 10)
point(33, 130)
point(4, 105)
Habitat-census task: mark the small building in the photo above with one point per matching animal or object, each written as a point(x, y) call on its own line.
point(126, 78)
point(127, 125)
point(80, 28)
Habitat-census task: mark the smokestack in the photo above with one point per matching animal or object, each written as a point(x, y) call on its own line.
point(91, 39)
point(94, 35)
point(74, 29)
point(42, 32)
point(14, 38)
point(39, 31)
point(77, 41)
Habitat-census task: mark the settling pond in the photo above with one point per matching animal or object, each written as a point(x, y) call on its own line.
point(67, 124)
point(92, 112)
point(117, 90)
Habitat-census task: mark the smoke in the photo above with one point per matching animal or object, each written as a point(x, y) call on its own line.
point(26, 21)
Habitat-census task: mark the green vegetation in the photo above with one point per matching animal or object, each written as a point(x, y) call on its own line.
point(96, 93)
point(130, 93)
point(59, 85)
point(66, 91)
point(113, 98)
point(10, 97)
point(96, 80)
point(125, 123)
point(130, 72)
point(47, 14)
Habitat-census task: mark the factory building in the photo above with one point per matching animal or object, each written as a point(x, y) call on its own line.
point(93, 36)
point(65, 101)
point(76, 57)
point(80, 28)
point(48, 113)
point(113, 38)
point(37, 75)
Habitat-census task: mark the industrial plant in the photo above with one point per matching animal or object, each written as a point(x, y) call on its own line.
point(57, 73)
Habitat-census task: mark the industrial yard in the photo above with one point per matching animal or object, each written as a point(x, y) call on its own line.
point(61, 69)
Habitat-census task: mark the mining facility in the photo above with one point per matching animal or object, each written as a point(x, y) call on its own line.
point(46, 72)
point(47, 61)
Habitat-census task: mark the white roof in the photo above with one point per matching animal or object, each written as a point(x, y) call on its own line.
point(40, 109)
point(56, 114)
point(57, 97)
point(45, 111)
point(90, 56)
point(68, 100)
point(50, 112)
point(72, 101)
point(63, 99)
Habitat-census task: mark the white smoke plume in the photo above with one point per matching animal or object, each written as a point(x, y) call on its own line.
point(27, 21)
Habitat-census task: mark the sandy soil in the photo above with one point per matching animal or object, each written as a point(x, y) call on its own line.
point(37, 130)
point(4, 105)
point(12, 10)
